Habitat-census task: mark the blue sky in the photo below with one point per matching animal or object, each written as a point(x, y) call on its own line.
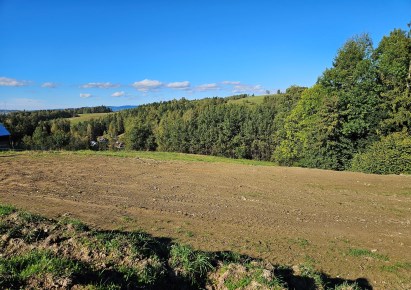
point(57, 54)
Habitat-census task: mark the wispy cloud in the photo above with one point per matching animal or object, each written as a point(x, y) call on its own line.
point(9, 82)
point(207, 87)
point(243, 88)
point(147, 85)
point(105, 85)
point(179, 85)
point(86, 96)
point(230, 82)
point(49, 85)
point(118, 94)
point(25, 104)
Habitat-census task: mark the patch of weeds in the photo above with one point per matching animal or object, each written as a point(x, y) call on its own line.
point(127, 219)
point(77, 224)
point(396, 267)
point(251, 194)
point(233, 283)
point(308, 271)
point(348, 286)
point(303, 243)
point(15, 231)
point(34, 235)
point(192, 265)
point(16, 271)
point(152, 272)
point(143, 245)
point(254, 273)
point(6, 209)
point(189, 234)
point(110, 242)
point(129, 274)
point(102, 286)
point(367, 253)
point(178, 230)
point(140, 244)
point(4, 227)
point(232, 257)
point(310, 260)
point(30, 217)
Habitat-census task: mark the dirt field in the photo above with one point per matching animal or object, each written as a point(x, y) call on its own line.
point(348, 225)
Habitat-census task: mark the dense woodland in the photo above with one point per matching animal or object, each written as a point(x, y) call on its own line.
point(356, 117)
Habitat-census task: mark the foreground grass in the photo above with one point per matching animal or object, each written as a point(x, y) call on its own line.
point(39, 253)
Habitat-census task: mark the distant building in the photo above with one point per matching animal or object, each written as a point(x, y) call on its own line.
point(4, 138)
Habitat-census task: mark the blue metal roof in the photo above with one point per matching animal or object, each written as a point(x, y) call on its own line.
point(3, 131)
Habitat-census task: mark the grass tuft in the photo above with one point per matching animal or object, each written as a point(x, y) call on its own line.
point(367, 253)
point(16, 271)
point(6, 210)
point(193, 265)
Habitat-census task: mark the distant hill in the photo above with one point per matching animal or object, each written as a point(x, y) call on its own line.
point(121, 108)
point(7, 111)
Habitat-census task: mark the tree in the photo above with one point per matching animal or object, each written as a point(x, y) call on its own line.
point(393, 60)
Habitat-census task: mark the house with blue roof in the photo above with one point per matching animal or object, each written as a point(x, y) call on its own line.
point(4, 137)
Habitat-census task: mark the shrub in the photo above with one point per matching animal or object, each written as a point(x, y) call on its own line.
point(390, 155)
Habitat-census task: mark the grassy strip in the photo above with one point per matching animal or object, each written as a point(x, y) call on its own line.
point(155, 155)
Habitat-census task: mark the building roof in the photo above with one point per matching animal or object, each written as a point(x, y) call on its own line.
point(3, 131)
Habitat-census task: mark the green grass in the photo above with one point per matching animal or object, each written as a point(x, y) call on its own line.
point(6, 210)
point(254, 272)
point(396, 267)
point(30, 217)
point(87, 117)
point(155, 155)
point(172, 156)
point(256, 100)
point(192, 264)
point(17, 270)
point(77, 224)
point(367, 253)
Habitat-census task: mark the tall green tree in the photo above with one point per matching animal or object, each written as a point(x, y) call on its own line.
point(393, 61)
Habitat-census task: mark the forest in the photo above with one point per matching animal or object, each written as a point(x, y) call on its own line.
point(357, 116)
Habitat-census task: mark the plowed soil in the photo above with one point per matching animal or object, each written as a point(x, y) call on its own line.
point(345, 224)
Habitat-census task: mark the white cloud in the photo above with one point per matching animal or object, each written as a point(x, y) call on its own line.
point(118, 94)
point(49, 85)
point(99, 85)
point(242, 88)
point(207, 87)
point(85, 96)
point(147, 85)
point(179, 85)
point(25, 104)
point(230, 83)
point(9, 82)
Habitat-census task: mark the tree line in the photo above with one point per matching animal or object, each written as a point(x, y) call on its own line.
point(356, 117)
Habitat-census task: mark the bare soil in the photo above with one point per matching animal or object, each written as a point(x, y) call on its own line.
point(348, 225)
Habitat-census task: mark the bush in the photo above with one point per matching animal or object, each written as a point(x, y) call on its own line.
point(390, 155)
